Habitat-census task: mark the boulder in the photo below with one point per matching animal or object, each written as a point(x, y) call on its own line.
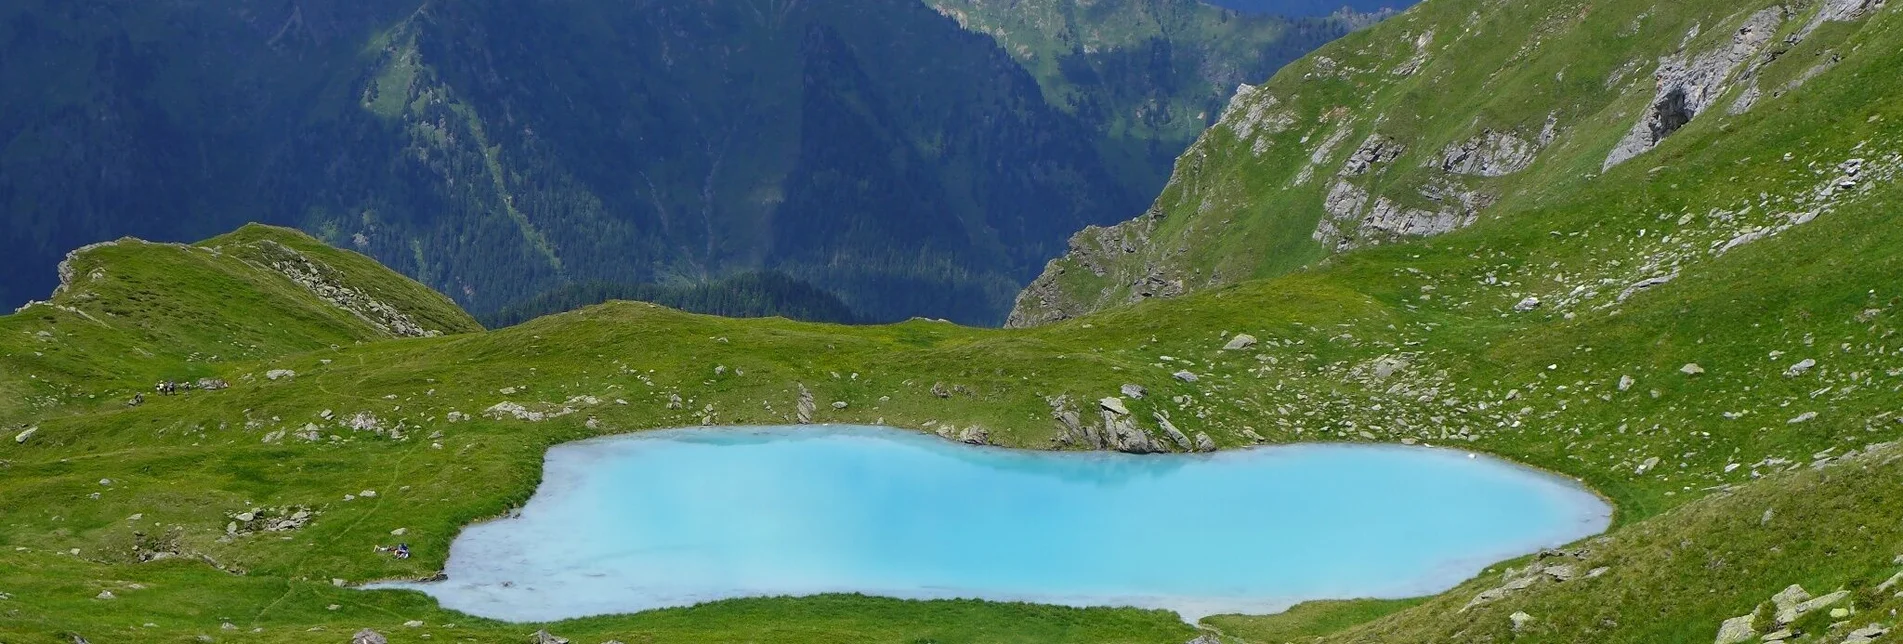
point(1791, 614)
point(545, 637)
point(1184, 376)
point(974, 436)
point(1520, 619)
point(1204, 443)
point(367, 636)
point(1691, 369)
point(1528, 304)
point(1123, 435)
point(1867, 634)
point(839, 404)
point(1789, 598)
point(1735, 630)
point(1134, 391)
point(1800, 368)
point(276, 374)
point(22, 437)
point(1114, 405)
point(1169, 429)
point(804, 408)
point(1240, 342)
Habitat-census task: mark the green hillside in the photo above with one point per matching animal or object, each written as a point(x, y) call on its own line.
point(1706, 333)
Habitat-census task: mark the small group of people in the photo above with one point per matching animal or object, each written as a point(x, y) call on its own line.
point(168, 388)
point(401, 551)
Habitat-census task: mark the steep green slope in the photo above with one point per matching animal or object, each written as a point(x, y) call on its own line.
point(1449, 115)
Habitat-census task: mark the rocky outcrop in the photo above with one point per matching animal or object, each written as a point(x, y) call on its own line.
point(329, 285)
point(1492, 154)
point(1104, 252)
point(805, 407)
point(1689, 86)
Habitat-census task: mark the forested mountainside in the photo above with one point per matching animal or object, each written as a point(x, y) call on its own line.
point(1448, 117)
point(494, 149)
point(1145, 75)
point(1312, 7)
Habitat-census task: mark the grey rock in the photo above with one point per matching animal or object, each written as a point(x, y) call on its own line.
point(1240, 342)
point(1789, 598)
point(1866, 635)
point(367, 636)
point(840, 404)
point(213, 384)
point(1170, 430)
point(1204, 443)
point(1792, 613)
point(1735, 630)
point(974, 436)
point(1184, 376)
point(1645, 284)
point(805, 407)
point(1123, 435)
point(1691, 369)
point(1802, 418)
point(1492, 154)
point(276, 374)
point(1647, 465)
point(1114, 405)
point(1892, 582)
point(1134, 391)
point(1688, 86)
point(23, 436)
point(1375, 150)
point(1800, 368)
point(1626, 382)
point(1528, 304)
point(1520, 619)
point(545, 637)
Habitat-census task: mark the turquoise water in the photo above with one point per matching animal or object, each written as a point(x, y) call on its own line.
point(681, 517)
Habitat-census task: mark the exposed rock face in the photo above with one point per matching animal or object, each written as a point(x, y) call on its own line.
point(1351, 222)
point(1689, 86)
point(1122, 434)
point(974, 436)
point(1375, 151)
point(1735, 630)
point(1102, 251)
point(1492, 154)
point(805, 407)
point(1176, 435)
point(328, 284)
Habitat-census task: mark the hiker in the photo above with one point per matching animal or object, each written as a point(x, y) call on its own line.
point(137, 399)
point(402, 551)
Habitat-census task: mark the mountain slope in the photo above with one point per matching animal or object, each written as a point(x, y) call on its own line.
point(1442, 118)
point(494, 149)
point(1710, 334)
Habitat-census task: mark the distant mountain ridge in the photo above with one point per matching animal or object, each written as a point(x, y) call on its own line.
point(495, 149)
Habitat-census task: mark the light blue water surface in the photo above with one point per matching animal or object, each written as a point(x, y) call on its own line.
point(680, 517)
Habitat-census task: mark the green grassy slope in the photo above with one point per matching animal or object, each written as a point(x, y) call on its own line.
point(1782, 291)
point(1380, 137)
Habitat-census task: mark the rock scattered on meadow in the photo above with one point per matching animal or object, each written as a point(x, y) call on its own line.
point(1800, 368)
point(1528, 304)
point(22, 437)
point(367, 636)
point(1735, 630)
point(1114, 405)
point(545, 637)
point(277, 374)
point(1691, 369)
point(1184, 376)
point(1240, 342)
point(1134, 391)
